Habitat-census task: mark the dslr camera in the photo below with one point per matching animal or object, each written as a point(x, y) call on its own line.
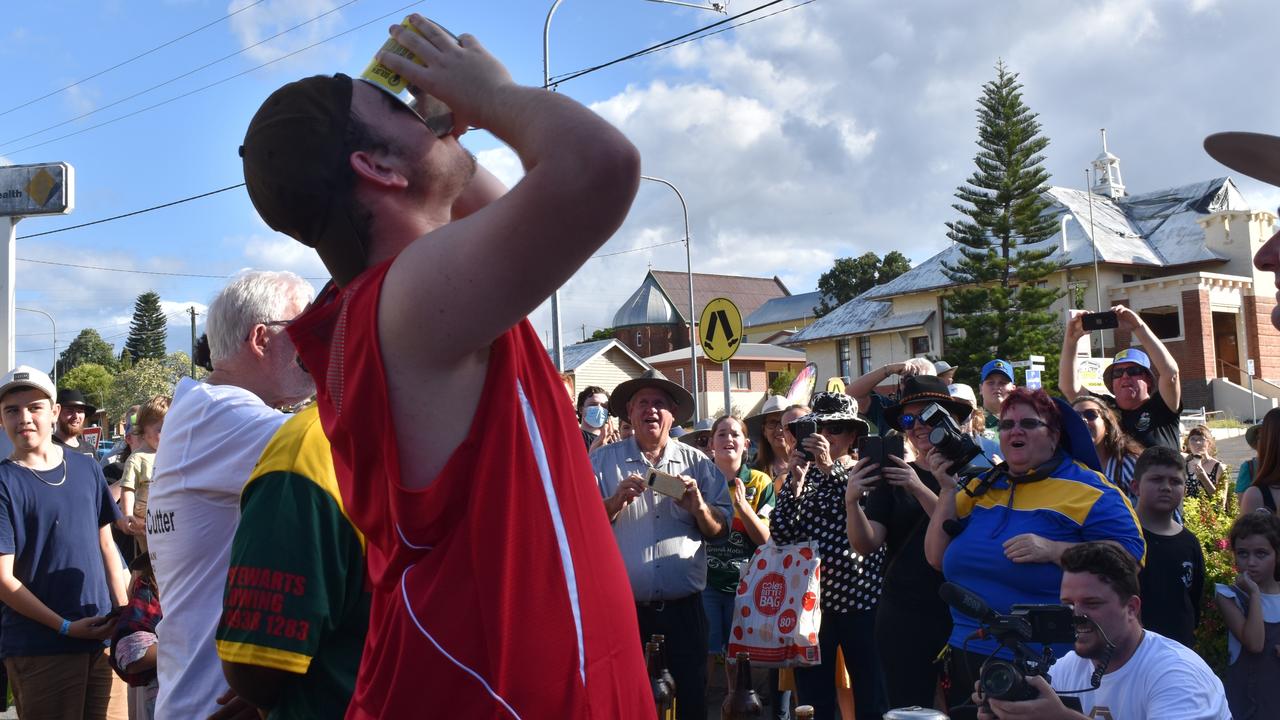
point(1041, 624)
point(954, 445)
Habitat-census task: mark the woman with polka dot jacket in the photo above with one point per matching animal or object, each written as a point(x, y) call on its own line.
point(811, 507)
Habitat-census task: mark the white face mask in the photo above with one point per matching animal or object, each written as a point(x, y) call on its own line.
point(595, 415)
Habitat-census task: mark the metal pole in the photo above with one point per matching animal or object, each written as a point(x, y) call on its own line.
point(6, 309)
point(55, 338)
point(688, 260)
point(728, 397)
point(557, 345)
point(194, 342)
point(1093, 242)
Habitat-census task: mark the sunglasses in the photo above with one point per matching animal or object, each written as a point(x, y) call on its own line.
point(1132, 371)
point(908, 421)
point(1090, 415)
point(835, 428)
point(1027, 424)
point(702, 441)
point(772, 424)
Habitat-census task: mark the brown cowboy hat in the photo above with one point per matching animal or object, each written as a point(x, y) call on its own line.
point(926, 389)
point(652, 379)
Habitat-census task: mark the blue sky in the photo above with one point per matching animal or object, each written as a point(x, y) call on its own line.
point(838, 127)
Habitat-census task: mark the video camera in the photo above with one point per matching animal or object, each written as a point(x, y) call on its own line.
point(1042, 624)
point(956, 446)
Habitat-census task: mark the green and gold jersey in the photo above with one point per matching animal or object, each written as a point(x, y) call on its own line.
point(297, 594)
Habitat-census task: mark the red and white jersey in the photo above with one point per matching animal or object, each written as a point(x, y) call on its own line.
point(499, 589)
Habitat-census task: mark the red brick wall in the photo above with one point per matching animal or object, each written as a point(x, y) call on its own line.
point(1197, 361)
point(1264, 339)
point(654, 339)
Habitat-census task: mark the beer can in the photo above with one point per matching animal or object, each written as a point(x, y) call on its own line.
point(383, 76)
point(914, 712)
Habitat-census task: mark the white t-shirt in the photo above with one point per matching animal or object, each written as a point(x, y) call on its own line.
point(213, 435)
point(1270, 614)
point(1164, 679)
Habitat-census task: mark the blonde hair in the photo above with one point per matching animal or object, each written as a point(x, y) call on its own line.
point(151, 412)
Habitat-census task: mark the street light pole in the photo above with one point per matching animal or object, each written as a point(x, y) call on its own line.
point(55, 338)
point(688, 259)
point(557, 345)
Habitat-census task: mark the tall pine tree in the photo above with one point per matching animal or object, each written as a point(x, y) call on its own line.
point(1003, 304)
point(147, 332)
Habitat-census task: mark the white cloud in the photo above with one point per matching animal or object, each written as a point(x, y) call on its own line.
point(273, 16)
point(280, 252)
point(503, 163)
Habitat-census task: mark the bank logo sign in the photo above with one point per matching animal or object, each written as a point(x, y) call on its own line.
point(44, 189)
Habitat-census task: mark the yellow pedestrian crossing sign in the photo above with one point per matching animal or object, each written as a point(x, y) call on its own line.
point(721, 329)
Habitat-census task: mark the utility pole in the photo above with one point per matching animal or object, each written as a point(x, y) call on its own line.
point(192, 310)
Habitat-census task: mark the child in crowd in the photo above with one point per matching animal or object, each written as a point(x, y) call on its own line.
point(1172, 580)
point(133, 647)
point(1251, 607)
point(136, 481)
point(1204, 471)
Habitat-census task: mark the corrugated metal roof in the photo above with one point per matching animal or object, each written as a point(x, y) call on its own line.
point(748, 351)
point(575, 356)
point(792, 307)
point(1154, 229)
point(859, 316)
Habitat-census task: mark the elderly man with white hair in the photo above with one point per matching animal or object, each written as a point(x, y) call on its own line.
point(213, 435)
point(871, 404)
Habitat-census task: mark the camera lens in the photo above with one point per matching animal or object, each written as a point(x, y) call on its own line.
point(1000, 680)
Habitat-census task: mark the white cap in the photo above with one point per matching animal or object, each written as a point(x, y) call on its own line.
point(964, 392)
point(27, 376)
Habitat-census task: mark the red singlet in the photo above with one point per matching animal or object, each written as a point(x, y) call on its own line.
point(499, 591)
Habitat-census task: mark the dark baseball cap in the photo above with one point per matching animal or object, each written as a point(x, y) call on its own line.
point(296, 170)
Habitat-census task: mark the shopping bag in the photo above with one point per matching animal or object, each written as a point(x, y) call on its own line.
point(776, 613)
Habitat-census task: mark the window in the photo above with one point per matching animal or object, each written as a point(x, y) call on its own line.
point(772, 376)
point(1165, 321)
point(739, 380)
point(920, 346)
point(681, 380)
point(842, 357)
point(639, 340)
point(864, 354)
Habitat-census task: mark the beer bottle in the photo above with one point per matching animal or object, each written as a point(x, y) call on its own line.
point(804, 712)
point(664, 698)
point(742, 703)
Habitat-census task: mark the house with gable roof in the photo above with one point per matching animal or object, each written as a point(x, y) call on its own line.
point(1181, 257)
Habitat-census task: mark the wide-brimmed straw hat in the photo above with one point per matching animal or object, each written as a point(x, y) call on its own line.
point(652, 379)
point(926, 389)
point(773, 405)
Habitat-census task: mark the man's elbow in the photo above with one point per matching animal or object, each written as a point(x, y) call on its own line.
point(258, 686)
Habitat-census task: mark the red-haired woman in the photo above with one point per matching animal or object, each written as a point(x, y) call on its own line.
point(1004, 533)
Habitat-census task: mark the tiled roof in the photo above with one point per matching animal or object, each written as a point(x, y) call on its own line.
point(791, 307)
point(1153, 229)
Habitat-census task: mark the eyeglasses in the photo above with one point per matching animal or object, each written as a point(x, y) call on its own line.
point(1131, 371)
point(772, 424)
point(1090, 415)
point(1027, 424)
point(268, 323)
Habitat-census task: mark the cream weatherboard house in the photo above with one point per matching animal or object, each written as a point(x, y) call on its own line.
point(1181, 257)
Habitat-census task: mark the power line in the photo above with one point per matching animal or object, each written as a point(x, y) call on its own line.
point(212, 84)
point(175, 79)
point(632, 250)
point(124, 215)
point(135, 57)
point(659, 46)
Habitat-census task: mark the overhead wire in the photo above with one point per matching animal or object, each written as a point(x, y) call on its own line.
point(212, 84)
point(139, 56)
point(176, 78)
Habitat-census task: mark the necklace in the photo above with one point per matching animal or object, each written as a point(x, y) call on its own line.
point(41, 479)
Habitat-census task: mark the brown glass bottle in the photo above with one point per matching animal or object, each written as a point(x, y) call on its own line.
point(664, 696)
point(661, 641)
point(742, 703)
point(804, 712)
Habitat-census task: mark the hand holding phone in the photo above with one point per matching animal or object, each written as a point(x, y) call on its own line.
point(1093, 322)
point(801, 429)
point(665, 483)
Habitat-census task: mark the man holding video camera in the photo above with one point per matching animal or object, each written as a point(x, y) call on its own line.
point(1151, 418)
point(1142, 673)
point(662, 523)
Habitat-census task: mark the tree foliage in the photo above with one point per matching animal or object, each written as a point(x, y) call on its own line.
point(147, 378)
point(850, 277)
point(92, 379)
point(148, 330)
point(88, 347)
point(1003, 306)
point(601, 334)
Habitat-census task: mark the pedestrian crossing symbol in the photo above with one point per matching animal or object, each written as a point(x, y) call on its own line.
point(721, 329)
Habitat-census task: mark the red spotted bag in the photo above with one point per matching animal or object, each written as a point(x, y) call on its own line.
point(776, 614)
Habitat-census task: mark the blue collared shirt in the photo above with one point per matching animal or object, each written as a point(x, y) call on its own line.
point(662, 547)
